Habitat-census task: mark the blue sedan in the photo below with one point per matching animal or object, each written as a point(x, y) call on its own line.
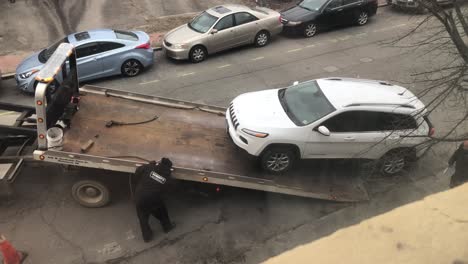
point(100, 53)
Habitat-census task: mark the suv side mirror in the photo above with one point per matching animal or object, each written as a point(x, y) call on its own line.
point(323, 130)
point(214, 31)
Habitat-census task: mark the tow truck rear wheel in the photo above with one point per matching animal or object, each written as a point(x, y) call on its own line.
point(277, 160)
point(91, 193)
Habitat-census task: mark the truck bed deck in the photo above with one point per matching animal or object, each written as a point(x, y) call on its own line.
point(193, 139)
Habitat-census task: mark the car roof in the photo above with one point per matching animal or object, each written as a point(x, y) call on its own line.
point(223, 10)
point(349, 92)
point(94, 34)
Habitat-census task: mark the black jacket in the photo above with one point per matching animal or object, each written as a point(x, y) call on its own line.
point(461, 157)
point(152, 179)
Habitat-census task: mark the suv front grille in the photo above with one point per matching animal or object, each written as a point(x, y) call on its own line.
point(232, 114)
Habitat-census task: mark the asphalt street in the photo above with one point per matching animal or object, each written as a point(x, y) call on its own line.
point(239, 226)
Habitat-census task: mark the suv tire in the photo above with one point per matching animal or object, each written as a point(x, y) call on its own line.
point(277, 160)
point(393, 162)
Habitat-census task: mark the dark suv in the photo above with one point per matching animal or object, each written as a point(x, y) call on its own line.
point(309, 16)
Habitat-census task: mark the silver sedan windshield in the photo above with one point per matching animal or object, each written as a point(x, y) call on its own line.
point(203, 22)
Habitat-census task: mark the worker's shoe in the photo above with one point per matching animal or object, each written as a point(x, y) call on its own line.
point(23, 256)
point(148, 237)
point(168, 228)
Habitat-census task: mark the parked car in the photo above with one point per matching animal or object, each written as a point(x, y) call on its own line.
point(414, 5)
point(100, 53)
point(220, 28)
point(333, 118)
point(310, 16)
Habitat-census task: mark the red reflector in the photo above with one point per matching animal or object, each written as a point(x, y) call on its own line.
point(431, 131)
point(218, 189)
point(144, 46)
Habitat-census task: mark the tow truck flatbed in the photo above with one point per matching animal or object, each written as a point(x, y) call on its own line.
point(194, 137)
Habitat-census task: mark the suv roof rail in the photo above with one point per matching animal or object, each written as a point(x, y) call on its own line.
point(385, 83)
point(383, 104)
point(334, 79)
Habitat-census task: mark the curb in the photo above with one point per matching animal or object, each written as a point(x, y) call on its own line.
point(8, 76)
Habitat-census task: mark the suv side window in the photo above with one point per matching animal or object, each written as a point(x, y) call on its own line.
point(366, 121)
point(391, 121)
point(244, 17)
point(225, 22)
point(353, 121)
point(106, 46)
point(87, 50)
point(334, 4)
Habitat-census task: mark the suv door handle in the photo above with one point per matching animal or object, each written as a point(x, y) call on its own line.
point(349, 138)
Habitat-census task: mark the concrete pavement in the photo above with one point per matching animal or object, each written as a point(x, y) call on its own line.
point(241, 226)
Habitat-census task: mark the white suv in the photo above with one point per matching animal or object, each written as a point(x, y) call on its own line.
point(332, 118)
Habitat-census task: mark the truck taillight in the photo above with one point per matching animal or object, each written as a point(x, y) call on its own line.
point(144, 46)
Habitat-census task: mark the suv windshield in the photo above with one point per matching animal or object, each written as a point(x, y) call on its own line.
point(312, 5)
point(305, 103)
point(203, 22)
point(46, 53)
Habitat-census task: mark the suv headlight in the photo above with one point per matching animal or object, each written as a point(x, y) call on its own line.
point(255, 133)
point(28, 74)
point(180, 46)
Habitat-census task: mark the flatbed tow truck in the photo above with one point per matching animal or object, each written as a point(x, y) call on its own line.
point(192, 135)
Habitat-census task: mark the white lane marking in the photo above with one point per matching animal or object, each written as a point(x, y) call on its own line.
point(153, 81)
point(224, 66)
point(389, 28)
point(258, 58)
point(345, 37)
point(294, 50)
point(187, 74)
point(310, 46)
point(361, 35)
point(366, 59)
point(330, 69)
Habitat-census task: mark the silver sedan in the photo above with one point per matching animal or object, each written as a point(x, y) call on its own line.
point(100, 53)
point(220, 28)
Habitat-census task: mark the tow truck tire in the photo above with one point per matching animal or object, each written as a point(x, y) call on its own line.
point(277, 160)
point(91, 193)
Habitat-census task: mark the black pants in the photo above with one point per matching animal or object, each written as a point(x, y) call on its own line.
point(458, 178)
point(155, 206)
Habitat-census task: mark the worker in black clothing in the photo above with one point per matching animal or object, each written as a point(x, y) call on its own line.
point(461, 166)
point(153, 178)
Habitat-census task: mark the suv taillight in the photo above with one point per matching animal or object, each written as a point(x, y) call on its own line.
point(431, 127)
point(146, 45)
point(280, 19)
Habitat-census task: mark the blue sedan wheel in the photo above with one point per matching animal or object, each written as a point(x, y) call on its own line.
point(131, 68)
